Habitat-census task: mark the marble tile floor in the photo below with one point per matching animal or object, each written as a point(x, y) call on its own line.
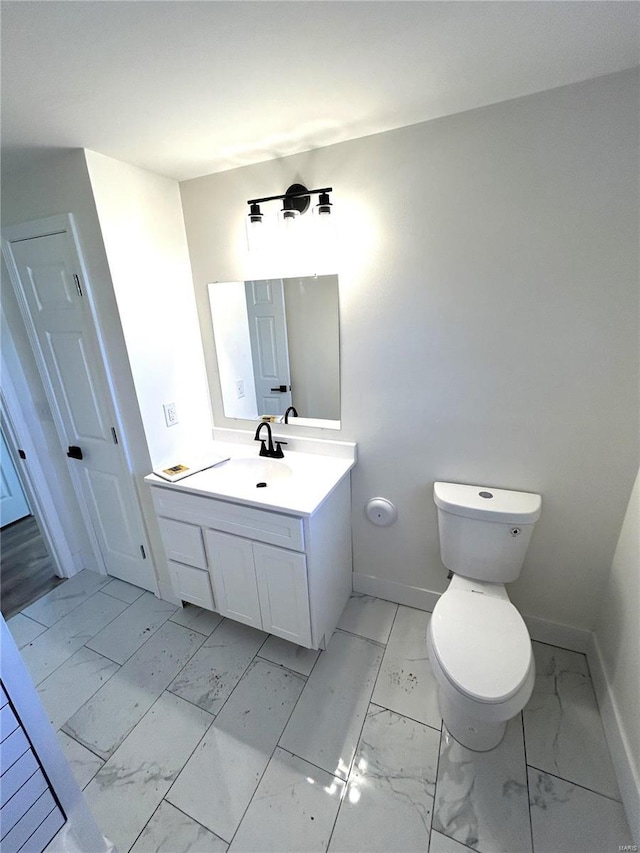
point(189, 732)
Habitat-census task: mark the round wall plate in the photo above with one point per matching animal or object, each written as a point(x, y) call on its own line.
point(300, 202)
point(381, 512)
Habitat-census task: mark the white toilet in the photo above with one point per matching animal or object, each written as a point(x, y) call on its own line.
point(478, 644)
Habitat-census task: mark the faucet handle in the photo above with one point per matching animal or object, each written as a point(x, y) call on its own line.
point(279, 453)
point(263, 447)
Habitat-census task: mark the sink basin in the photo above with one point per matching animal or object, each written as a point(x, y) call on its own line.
point(256, 470)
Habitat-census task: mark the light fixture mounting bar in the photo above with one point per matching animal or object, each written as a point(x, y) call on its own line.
point(302, 192)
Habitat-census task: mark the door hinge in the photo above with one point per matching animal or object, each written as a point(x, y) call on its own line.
point(142, 551)
point(114, 434)
point(22, 454)
point(77, 281)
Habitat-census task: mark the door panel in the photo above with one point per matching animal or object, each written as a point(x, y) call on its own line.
point(119, 533)
point(67, 356)
point(70, 361)
point(51, 287)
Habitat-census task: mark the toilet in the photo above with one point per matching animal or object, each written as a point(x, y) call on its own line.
point(478, 644)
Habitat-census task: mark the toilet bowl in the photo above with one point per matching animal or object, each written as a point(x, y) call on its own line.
point(482, 660)
point(478, 644)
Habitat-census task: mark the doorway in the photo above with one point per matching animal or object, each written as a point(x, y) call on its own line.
point(27, 569)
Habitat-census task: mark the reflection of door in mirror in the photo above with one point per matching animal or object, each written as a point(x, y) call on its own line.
point(269, 348)
point(278, 332)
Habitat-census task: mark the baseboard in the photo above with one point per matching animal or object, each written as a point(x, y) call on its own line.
point(564, 636)
point(627, 774)
point(400, 593)
point(555, 634)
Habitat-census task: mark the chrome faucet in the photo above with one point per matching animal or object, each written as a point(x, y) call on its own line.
point(268, 449)
point(293, 411)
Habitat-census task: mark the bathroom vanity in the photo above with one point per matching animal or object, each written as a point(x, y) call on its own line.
point(276, 556)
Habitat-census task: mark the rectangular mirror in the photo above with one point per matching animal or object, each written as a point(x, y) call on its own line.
point(278, 345)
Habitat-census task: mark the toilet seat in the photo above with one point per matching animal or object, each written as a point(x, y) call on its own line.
point(481, 643)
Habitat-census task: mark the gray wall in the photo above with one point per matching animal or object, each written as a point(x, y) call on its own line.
point(489, 322)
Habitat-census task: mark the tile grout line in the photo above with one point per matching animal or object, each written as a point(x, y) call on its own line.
point(526, 779)
point(94, 692)
point(124, 740)
point(435, 784)
point(144, 641)
point(104, 760)
point(179, 771)
point(163, 800)
point(83, 646)
point(359, 636)
point(301, 675)
point(31, 618)
point(355, 751)
point(244, 672)
point(214, 717)
point(363, 636)
point(191, 628)
point(273, 751)
point(86, 598)
point(386, 647)
point(575, 784)
point(166, 689)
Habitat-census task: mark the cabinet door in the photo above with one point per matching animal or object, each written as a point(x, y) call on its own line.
point(284, 595)
point(234, 577)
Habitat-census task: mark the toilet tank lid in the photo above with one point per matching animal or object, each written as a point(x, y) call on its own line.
point(487, 504)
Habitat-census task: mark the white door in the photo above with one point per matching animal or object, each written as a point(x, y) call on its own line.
point(53, 301)
point(269, 347)
point(234, 577)
point(284, 594)
point(13, 503)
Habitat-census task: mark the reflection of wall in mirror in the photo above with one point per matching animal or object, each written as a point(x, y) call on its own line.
point(233, 348)
point(314, 349)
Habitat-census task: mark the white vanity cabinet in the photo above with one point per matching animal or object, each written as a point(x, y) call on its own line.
point(288, 574)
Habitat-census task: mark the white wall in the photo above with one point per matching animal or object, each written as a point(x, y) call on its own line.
point(489, 305)
point(143, 231)
point(614, 658)
point(59, 183)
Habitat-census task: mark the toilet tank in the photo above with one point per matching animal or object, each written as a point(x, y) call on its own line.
point(484, 532)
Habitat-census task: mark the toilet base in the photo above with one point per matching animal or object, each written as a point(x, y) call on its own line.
point(474, 734)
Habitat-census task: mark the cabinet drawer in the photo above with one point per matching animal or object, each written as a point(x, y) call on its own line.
point(192, 585)
point(274, 528)
point(183, 542)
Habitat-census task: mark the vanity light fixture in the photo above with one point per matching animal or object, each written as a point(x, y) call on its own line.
point(295, 202)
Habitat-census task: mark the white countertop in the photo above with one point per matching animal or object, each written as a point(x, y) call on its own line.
point(297, 484)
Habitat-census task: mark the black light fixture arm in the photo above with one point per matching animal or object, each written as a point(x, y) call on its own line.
point(296, 194)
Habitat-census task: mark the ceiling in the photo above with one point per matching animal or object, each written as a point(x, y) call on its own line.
point(189, 88)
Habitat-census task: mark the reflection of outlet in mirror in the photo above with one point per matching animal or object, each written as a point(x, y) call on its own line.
point(170, 414)
point(239, 388)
